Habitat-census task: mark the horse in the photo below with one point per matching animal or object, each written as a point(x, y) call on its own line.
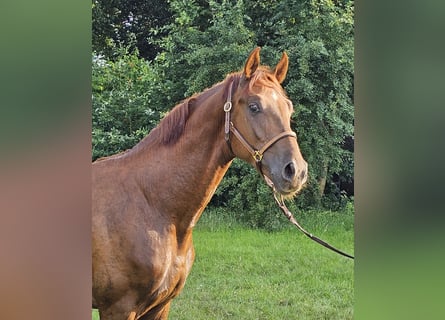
point(147, 200)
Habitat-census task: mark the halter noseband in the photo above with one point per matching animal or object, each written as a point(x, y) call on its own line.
point(257, 154)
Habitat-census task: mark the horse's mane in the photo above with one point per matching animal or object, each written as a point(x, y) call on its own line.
point(172, 126)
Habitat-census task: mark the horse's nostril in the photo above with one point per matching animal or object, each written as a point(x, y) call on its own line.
point(289, 171)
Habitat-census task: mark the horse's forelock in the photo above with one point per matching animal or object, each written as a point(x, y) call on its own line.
point(263, 76)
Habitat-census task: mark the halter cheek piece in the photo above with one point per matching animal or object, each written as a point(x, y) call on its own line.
point(257, 155)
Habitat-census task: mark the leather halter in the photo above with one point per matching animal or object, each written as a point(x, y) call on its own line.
point(257, 154)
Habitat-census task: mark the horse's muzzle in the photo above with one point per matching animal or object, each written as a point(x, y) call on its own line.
point(292, 178)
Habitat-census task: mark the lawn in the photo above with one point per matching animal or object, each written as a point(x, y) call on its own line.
point(253, 274)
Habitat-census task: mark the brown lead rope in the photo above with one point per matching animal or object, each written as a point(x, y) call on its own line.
point(280, 201)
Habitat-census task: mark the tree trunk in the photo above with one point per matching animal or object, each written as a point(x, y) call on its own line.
point(323, 178)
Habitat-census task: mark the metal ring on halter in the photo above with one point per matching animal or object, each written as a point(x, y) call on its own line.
point(228, 106)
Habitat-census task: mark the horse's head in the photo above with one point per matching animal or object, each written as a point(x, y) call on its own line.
point(260, 122)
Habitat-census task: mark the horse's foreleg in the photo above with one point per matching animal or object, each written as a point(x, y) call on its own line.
point(120, 310)
point(163, 314)
point(160, 314)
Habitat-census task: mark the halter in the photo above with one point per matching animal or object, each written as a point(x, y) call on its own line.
point(257, 155)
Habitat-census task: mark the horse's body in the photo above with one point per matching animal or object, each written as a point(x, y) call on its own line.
point(147, 200)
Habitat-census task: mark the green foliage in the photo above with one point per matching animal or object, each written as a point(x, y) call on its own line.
point(124, 103)
point(244, 193)
point(195, 55)
point(197, 46)
point(134, 23)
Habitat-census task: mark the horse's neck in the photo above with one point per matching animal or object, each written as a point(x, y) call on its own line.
point(189, 172)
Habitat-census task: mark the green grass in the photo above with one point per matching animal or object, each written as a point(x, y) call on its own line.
point(252, 274)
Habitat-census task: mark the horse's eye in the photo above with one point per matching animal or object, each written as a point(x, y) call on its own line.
point(254, 108)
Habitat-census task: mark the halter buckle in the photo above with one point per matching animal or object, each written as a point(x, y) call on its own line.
point(257, 155)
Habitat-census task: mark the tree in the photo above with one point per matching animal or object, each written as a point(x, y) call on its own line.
point(318, 36)
point(123, 23)
point(124, 109)
point(199, 52)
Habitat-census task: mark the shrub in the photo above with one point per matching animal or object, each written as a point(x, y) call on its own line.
point(125, 104)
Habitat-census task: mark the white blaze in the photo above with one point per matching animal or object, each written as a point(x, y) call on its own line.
point(274, 96)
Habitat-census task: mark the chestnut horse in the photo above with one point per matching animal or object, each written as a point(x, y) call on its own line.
point(147, 200)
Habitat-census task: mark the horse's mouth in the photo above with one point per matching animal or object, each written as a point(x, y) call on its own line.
point(286, 193)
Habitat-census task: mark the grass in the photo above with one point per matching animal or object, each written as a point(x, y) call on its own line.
point(252, 274)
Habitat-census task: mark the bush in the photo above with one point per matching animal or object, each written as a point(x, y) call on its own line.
point(125, 108)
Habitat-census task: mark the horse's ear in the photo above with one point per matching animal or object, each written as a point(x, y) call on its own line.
point(252, 63)
point(281, 68)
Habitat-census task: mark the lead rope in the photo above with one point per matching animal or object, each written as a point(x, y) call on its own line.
point(280, 201)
